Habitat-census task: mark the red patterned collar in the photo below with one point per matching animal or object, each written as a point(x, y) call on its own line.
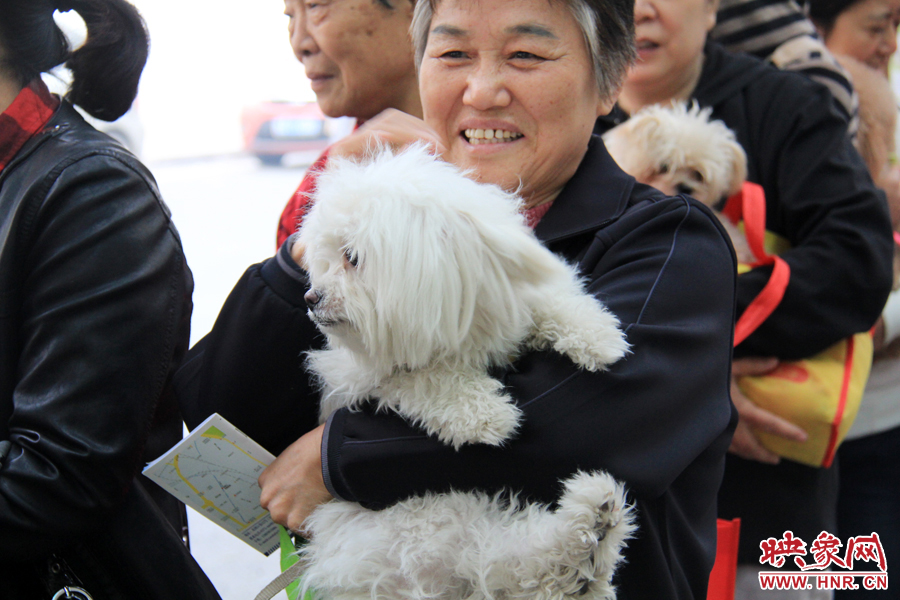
point(25, 117)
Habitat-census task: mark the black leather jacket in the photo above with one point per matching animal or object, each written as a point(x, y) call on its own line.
point(95, 305)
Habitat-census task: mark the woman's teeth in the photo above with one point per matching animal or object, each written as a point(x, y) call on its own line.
point(490, 136)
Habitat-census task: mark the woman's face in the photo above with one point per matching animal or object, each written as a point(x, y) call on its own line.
point(357, 54)
point(669, 35)
point(867, 31)
point(509, 86)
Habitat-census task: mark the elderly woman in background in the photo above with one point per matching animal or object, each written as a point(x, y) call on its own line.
point(358, 58)
point(863, 34)
point(863, 29)
point(820, 198)
point(511, 90)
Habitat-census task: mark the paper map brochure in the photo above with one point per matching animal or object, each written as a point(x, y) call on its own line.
point(214, 471)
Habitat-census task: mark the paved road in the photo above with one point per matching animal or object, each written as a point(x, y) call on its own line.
point(226, 210)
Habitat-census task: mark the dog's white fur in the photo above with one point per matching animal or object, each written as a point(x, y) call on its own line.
point(448, 282)
point(469, 546)
point(678, 150)
point(421, 280)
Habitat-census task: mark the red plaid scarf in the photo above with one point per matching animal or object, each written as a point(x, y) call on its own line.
point(24, 118)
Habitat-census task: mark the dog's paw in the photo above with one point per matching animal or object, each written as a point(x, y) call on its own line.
point(580, 327)
point(488, 420)
point(457, 405)
point(594, 352)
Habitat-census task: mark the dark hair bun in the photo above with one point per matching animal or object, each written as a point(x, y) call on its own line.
point(107, 69)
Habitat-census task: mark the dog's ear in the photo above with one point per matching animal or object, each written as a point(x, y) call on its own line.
point(631, 144)
point(739, 166)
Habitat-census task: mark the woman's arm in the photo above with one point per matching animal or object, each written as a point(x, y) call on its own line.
point(250, 367)
point(104, 311)
point(820, 198)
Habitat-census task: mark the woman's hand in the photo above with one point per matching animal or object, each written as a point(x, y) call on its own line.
point(390, 127)
point(744, 442)
point(297, 252)
point(292, 486)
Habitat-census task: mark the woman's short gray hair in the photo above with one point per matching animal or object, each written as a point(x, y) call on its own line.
point(607, 25)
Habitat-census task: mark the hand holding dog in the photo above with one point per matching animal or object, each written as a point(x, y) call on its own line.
point(390, 127)
point(292, 486)
point(744, 442)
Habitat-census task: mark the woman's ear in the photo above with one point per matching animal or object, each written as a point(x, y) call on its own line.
point(712, 7)
point(604, 105)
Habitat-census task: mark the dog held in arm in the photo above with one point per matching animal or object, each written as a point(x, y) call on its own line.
point(679, 150)
point(422, 280)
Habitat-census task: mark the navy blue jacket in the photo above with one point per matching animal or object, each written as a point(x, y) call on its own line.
point(660, 420)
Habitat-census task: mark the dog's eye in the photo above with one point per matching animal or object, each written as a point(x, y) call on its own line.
point(697, 176)
point(351, 257)
point(663, 169)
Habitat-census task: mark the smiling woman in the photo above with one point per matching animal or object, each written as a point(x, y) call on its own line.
point(510, 92)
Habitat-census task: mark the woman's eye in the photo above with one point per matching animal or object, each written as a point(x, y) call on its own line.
point(454, 54)
point(522, 55)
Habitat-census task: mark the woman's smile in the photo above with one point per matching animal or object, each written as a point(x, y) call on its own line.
point(490, 136)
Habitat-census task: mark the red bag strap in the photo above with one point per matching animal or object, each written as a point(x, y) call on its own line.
point(842, 405)
point(749, 205)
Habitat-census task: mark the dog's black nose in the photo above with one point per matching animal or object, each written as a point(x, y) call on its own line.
point(312, 298)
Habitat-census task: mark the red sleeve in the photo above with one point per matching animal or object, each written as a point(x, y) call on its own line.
point(293, 212)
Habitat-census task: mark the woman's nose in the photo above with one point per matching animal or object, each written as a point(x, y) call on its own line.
point(644, 10)
point(302, 42)
point(486, 89)
point(889, 43)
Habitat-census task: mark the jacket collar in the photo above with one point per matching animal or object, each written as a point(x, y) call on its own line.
point(32, 108)
point(597, 194)
point(59, 123)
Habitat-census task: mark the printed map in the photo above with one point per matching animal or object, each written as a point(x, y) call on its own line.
point(214, 471)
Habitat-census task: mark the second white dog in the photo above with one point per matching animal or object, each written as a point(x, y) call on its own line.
point(680, 150)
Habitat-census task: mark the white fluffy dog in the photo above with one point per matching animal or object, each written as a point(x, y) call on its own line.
point(421, 280)
point(678, 150)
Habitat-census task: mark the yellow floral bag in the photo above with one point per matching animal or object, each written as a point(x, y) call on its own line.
point(820, 394)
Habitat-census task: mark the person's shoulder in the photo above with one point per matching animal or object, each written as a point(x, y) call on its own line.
point(727, 75)
point(73, 164)
point(72, 139)
point(652, 209)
